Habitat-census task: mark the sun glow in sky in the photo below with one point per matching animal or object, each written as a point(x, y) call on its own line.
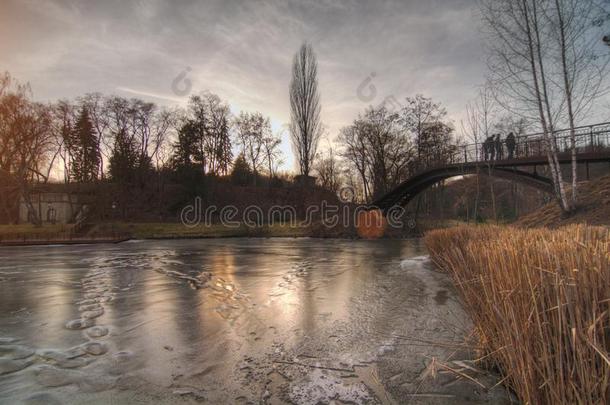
point(242, 51)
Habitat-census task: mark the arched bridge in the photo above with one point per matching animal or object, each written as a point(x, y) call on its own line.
point(509, 162)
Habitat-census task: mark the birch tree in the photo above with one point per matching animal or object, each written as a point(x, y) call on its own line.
point(517, 40)
point(575, 31)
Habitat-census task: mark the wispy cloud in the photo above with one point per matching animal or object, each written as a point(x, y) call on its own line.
point(243, 50)
point(152, 95)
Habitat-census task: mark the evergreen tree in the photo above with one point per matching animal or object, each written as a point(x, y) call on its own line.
point(187, 171)
point(204, 137)
point(83, 149)
point(241, 173)
point(124, 161)
point(185, 148)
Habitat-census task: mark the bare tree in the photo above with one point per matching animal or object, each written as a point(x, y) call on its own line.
point(354, 143)
point(150, 126)
point(517, 38)
point(575, 32)
point(252, 130)
point(143, 117)
point(390, 149)
point(63, 124)
point(218, 134)
point(204, 135)
point(505, 123)
point(25, 140)
point(273, 154)
point(471, 129)
point(417, 115)
point(305, 124)
point(480, 114)
point(328, 171)
point(379, 149)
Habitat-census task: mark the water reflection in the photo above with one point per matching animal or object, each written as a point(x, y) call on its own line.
point(266, 301)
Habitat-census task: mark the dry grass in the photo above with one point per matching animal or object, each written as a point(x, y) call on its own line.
point(31, 232)
point(593, 208)
point(540, 301)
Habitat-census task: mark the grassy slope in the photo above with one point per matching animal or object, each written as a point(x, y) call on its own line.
point(29, 231)
point(593, 209)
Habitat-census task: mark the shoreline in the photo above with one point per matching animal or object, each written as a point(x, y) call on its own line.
point(117, 232)
point(62, 242)
point(154, 238)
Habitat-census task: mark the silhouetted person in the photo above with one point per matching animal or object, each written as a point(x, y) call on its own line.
point(491, 148)
point(485, 149)
point(498, 145)
point(510, 145)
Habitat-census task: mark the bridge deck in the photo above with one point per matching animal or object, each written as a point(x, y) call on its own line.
point(592, 145)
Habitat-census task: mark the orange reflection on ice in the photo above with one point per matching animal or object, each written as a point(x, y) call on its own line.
point(371, 224)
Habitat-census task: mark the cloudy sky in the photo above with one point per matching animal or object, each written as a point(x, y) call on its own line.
point(242, 51)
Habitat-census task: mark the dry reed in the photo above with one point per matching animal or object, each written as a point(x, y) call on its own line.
point(540, 302)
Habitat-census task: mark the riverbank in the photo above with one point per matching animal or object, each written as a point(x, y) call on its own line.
point(540, 302)
point(118, 231)
point(593, 208)
point(168, 230)
point(52, 234)
point(14, 235)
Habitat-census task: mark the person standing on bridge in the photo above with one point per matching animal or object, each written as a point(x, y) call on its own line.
point(498, 145)
point(488, 148)
point(510, 145)
point(491, 147)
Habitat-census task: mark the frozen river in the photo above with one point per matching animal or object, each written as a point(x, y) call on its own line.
point(233, 321)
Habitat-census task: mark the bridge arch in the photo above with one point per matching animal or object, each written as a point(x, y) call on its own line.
point(410, 188)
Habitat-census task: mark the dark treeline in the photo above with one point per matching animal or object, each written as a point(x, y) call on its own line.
point(144, 151)
point(135, 145)
point(137, 160)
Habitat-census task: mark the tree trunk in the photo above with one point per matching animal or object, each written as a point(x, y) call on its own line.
point(568, 92)
point(493, 197)
point(476, 197)
point(542, 102)
point(27, 199)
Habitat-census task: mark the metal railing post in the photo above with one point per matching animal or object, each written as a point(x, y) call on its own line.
point(533, 145)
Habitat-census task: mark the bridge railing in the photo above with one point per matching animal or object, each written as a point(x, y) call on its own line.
point(589, 138)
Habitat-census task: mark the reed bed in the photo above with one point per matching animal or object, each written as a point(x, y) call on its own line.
point(540, 302)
